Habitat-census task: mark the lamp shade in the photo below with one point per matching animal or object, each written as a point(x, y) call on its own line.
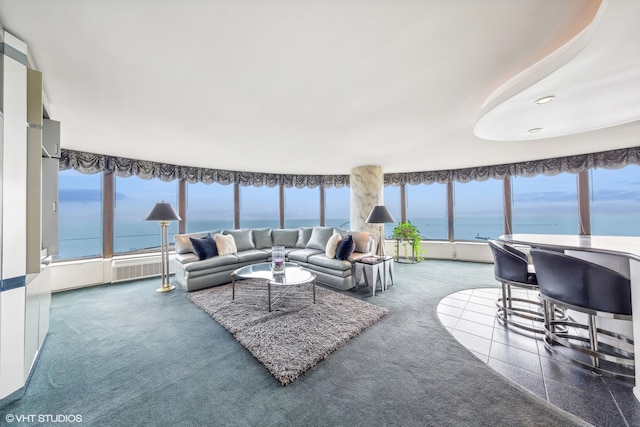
point(380, 215)
point(162, 211)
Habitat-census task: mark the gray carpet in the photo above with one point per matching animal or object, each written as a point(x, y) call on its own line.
point(124, 355)
point(297, 333)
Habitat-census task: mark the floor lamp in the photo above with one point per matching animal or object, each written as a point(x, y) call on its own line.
point(380, 215)
point(164, 213)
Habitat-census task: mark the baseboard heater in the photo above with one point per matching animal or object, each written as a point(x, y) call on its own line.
point(135, 268)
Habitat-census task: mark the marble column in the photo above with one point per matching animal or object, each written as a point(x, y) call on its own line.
point(367, 191)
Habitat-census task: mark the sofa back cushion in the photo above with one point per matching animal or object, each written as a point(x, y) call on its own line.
point(319, 238)
point(286, 237)
point(262, 238)
point(242, 238)
point(304, 234)
point(225, 244)
point(204, 247)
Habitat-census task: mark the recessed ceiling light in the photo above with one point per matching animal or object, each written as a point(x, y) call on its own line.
point(545, 100)
point(534, 130)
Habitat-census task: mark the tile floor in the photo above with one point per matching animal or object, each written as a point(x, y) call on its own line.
point(600, 400)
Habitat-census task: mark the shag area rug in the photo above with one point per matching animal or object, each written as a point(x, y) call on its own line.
point(296, 334)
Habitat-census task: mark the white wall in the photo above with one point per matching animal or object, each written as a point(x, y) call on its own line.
point(95, 271)
point(460, 251)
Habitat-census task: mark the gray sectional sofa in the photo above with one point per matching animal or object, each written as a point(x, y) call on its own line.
point(306, 246)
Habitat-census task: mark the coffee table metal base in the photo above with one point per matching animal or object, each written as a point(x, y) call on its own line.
point(293, 277)
point(287, 291)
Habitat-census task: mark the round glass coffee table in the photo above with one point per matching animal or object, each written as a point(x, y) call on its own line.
point(278, 285)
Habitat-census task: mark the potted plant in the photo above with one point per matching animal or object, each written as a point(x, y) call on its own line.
point(408, 234)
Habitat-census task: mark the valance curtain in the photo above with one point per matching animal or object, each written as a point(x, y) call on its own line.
point(91, 163)
point(613, 159)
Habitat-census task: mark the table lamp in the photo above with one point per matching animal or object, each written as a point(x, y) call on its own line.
point(163, 212)
point(380, 215)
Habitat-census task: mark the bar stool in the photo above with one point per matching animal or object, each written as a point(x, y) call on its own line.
point(512, 268)
point(596, 291)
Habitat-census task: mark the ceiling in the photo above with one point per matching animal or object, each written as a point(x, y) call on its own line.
point(320, 87)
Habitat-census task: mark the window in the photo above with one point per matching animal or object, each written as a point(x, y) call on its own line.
point(393, 205)
point(337, 202)
point(545, 204)
point(427, 209)
point(209, 207)
point(80, 214)
point(301, 207)
point(135, 197)
point(477, 211)
point(259, 207)
point(615, 201)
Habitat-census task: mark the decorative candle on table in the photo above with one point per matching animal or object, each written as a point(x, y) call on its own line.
point(277, 260)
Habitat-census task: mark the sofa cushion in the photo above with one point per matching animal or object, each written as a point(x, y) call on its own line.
point(205, 247)
point(332, 245)
point(225, 243)
point(355, 256)
point(361, 239)
point(255, 255)
point(345, 248)
point(262, 238)
point(323, 260)
point(304, 234)
point(242, 238)
point(342, 232)
point(286, 237)
point(302, 255)
point(319, 238)
point(186, 258)
point(209, 263)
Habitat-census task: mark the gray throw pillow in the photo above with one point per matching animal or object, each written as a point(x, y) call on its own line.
point(262, 238)
point(319, 238)
point(286, 237)
point(304, 234)
point(242, 238)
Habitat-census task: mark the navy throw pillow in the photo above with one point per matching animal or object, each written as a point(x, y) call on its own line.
point(205, 247)
point(345, 248)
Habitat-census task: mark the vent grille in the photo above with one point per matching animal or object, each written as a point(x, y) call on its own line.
point(130, 269)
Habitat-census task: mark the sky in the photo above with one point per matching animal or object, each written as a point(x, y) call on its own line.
point(613, 191)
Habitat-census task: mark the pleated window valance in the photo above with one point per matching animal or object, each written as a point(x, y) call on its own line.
point(613, 159)
point(90, 163)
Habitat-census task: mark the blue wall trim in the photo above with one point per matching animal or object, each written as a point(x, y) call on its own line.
point(13, 283)
point(13, 53)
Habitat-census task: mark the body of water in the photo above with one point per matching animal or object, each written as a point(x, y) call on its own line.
point(84, 238)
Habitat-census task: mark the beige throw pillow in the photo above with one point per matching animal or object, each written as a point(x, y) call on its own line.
point(225, 244)
point(361, 239)
point(332, 245)
point(182, 244)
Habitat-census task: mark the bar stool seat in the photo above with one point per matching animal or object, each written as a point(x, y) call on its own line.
point(596, 291)
point(512, 269)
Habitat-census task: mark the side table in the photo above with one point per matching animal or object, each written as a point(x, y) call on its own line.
point(376, 270)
